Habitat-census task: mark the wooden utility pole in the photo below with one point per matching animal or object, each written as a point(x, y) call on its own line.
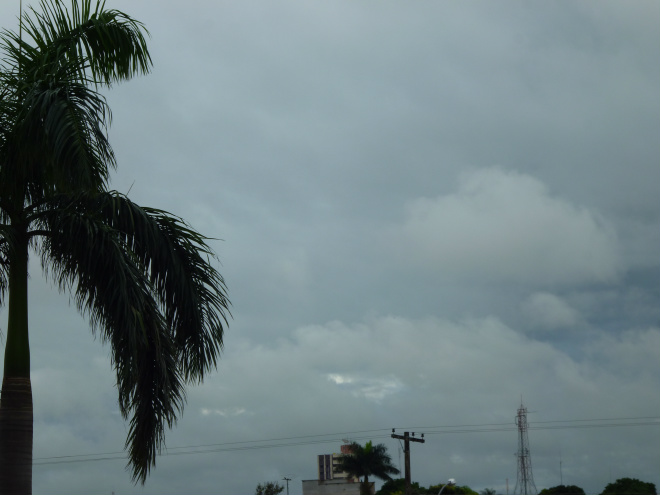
point(406, 450)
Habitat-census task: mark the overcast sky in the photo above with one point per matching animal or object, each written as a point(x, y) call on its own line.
point(425, 212)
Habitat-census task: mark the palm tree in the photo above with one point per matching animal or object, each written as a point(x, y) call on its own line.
point(142, 276)
point(370, 460)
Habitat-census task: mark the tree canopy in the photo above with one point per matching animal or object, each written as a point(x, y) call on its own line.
point(398, 487)
point(562, 490)
point(269, 488)
point(629, 486)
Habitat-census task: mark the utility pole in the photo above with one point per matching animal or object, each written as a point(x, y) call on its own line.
point(287, 484)
point(406, 450)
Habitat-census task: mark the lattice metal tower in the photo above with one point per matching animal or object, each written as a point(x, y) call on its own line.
point(525, 482)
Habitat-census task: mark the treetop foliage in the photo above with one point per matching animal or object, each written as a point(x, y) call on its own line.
point(623, 486)
point(269, 488)
point(398, 487)
point(629, 486)
point(562, 489)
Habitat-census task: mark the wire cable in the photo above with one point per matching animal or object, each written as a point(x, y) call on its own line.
point(301, 440)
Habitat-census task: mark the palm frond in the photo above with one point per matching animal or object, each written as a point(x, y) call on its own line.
point(7, 243)
point(107, 45)
point(53, 127)
point(4, 271)
point(190, 290)
point(368, 460)
point(142, 277)
point(89, 257)
point(59, 139)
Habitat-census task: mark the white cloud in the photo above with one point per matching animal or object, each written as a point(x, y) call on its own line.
point(234, 411)
point(375, 389)
point(340, 379)
point(503, 225)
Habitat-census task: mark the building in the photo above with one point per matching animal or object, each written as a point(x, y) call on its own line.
point(332, 481)
point(328, 465)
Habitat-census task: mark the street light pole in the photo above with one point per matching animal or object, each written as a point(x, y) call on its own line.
point(451, 482)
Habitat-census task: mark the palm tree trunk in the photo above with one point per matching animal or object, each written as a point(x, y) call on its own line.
point(16, 436)
point(16, 400)
point(365, 489)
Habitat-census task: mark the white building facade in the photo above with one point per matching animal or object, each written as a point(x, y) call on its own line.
point(331, 480)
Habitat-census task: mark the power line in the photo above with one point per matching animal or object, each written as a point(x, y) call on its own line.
point(301, 440)
point(508, 423)
point(556, 427)
point(348, 433)
point(207, 449)
point(542, 425)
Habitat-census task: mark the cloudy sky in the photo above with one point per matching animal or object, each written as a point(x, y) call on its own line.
point(425, 212)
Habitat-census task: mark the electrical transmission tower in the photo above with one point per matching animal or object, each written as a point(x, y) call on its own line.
point(525, 482)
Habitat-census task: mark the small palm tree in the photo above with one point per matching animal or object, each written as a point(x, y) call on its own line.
point(370, 460)
point(142, 276)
